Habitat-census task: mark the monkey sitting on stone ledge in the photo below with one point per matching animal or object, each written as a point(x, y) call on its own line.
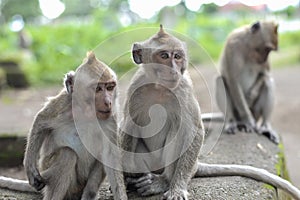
point(68, 143)
point(245, 75)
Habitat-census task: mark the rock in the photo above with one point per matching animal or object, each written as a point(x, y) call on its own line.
point(15, 77)
point(11, 150)
point(2, 78)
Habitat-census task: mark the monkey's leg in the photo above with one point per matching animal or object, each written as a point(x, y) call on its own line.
point(61, 175)
point(185, 167)
point(225, 105)
point(116, 180)
point(95, 178)
point(263, 108)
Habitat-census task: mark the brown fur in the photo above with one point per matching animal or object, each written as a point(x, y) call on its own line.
point(66, 169)
point(162, 79)
point(246, 78)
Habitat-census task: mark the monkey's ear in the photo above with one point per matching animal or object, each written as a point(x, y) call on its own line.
point(137, 53)
point(255, 27)
point(69, 81)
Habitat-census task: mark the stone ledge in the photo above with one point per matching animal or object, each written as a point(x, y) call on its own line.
point(241, 148)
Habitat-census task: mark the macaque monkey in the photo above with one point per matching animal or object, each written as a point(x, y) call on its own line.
point(162, 80)
point(245, 75)
point(162, 130)
point(65, 144)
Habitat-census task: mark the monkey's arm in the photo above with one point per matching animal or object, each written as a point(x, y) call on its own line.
point(34, 142)
point(255, 89)
point(235, 91)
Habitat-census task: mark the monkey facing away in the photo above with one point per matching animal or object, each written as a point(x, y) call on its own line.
point(162, 130)
point(57, 160)
point(245, 75)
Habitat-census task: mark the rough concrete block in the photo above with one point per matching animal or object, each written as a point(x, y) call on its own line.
point(241, 148)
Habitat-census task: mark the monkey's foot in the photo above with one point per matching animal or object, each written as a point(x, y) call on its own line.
point(36, 181)
point(38, 185)
point(246, 127)
point(230, 128)
point(176, 195)
point(149, 184)
point(269, 133)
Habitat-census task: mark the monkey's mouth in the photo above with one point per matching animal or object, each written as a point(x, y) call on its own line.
point(169, 80)
point(105, 112)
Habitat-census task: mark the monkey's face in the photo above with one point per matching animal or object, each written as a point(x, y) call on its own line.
point(104, 94)
point(164, 58)
point(264, 40)
point(168, 66)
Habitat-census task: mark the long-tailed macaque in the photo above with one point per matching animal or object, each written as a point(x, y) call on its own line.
point(65, 144)
point(162, 130)
point(245, 75)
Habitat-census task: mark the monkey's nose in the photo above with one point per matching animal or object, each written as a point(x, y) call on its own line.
point(107, 102)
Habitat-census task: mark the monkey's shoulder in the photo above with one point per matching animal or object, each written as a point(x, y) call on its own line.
point(56, 105)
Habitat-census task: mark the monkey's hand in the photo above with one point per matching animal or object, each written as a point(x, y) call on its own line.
point(178, 194)
point(35, 179)
point(149, 184)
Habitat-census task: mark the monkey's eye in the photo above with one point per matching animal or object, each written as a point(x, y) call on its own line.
point(177, 56)
point(110, 88)
point(164, 55)
point(98, 88)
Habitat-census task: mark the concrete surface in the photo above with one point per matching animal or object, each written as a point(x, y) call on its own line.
point(242, 148)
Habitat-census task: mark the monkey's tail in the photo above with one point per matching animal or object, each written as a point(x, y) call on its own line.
point(207, 170)
point(16, 184)
point(214, 117)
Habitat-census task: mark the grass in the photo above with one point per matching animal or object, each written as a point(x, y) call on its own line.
point(58, 48)
point(288, 56)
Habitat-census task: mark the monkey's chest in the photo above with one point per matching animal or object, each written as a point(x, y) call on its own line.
point(69, 137)
point(151, 101)
point(248, 76)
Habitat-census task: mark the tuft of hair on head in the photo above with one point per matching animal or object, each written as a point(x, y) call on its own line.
point(161, 30)
point(91, 57)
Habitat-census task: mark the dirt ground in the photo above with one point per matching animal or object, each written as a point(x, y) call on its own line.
point(17, 109)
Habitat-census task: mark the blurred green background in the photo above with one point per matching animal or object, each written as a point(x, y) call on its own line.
point(46, 44)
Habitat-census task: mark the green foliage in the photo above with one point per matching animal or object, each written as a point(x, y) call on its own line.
point(289, 39)
point(9, 40)
point(288, 53)
point(210, 32)
point(73, 8)
point(58, 48)
point(209, 8)
point(29, 9)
